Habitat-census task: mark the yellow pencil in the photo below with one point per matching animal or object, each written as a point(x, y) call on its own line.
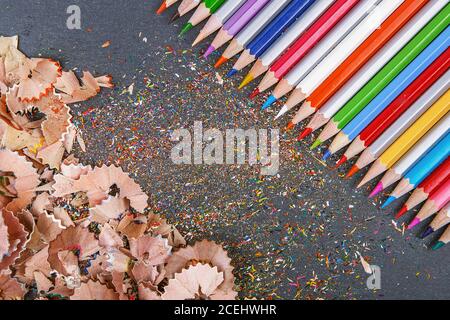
point(409, 138)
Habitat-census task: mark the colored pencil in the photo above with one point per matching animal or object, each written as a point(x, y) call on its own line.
point(391, 70)
point(307, 40)
point(426, 187)
point(216, 21)
point(247, 34)
point(438, 199)
point(204, 10)
point(419, 161)
point(359, 57)
point(185, 7)
point(440, 220)
point(443, 240)
point(364, 29)
point(419, 171)
point(235, 24)
point(271, 33)
point(398, 106)
point(287, 39)
point(409, 117)
point(393, 90)
point(164, 5)
point(408, 138)
point(338, 100)
point(321, 50)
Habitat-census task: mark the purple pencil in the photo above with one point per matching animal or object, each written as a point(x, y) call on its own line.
point(218, 18)
point(236, 23)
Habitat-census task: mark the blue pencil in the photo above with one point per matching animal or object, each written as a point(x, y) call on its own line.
point(390, 92)
point(270, 33)
point(421, 169)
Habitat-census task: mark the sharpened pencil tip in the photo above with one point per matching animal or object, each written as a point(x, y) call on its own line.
point(270, 100)
point(248, 78)
point(378, 188)
point(175, 17)
point(326, 155)
point(304, 134)
point(388, 202)
point(352, 172)
point(315, 144)
point(231, 73)
point(438, 245)
point(341, 161)
point(208, 51)
point(254, 94)
point(188, 26)
point(220, 61)
point(290, 126)
point(161, 8)
point(413, 223)
point(429, 230)
point(402, 211)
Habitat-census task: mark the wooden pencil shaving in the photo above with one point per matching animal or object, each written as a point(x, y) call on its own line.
point(70, 231)
point(34, 116)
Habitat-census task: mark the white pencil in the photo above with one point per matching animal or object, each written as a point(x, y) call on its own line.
point(251, 30)
point(216, 21)
point(321, 50)
point(404, 122)
point(333, 105)
point(364, 29)
point(414, 154)
point(279, 46)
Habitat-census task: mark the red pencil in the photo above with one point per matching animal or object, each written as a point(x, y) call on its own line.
point(389, 115)
point(305, 43)
point(426, 187)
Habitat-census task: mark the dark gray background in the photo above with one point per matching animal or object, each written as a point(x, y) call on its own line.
point(279, 240)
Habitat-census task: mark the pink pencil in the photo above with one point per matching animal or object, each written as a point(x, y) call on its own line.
point(236, 23)
point(438, 199)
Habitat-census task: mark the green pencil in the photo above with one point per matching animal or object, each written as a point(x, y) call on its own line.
point(206, 8)
point(391, 70)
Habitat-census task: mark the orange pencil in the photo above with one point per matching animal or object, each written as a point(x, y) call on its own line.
point(359, 57)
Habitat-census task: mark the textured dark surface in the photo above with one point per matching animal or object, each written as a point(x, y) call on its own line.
point(295, 235)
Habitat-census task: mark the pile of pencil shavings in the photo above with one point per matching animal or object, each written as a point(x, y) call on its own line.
point(69, 231)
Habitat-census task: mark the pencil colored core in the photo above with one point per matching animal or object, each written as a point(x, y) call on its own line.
point(254, 94)
point(388, 202)
point(402, 211)
point(378, 188)
point(162, 8)
point(315, 144)
point(270, 100)
point(438, 245)
point(188, 26)
point(352, 172)
point(341, 161)
point(220, 61)
point(248, 78)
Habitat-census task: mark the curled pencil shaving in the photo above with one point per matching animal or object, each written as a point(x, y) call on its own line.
point(69, 230)
point(23, 180)
point(17, 237)
point(200, 282)
point(34, 116)
point(10, 288)
point(206, 252)
point(97, 184)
